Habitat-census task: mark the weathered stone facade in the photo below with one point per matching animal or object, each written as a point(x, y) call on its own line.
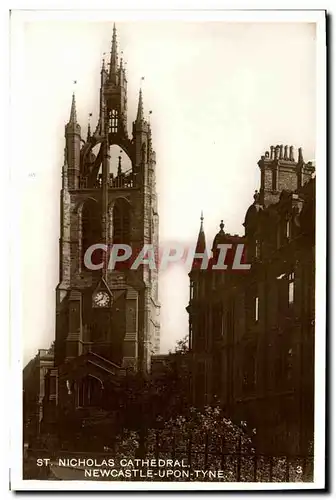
point(102, 207)
point(252, 332)
point(34, 390)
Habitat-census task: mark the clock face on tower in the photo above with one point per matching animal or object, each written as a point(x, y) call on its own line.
point(101, 299)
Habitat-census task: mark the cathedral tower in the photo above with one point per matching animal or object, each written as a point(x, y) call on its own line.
point(113, 313)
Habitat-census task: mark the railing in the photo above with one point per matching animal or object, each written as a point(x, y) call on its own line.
point(124, 180)
point(218, 459)
point(186, 458)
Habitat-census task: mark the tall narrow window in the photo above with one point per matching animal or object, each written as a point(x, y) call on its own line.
point(251, 306)
point(257, 249)
point(291, 288)
point(113, 121)
point(121, 222)
point(91, 229)
point(222, 323)
point(289, 367)
point(275, 179)
point(192, 285)
point(288, 229)
point(256, 308)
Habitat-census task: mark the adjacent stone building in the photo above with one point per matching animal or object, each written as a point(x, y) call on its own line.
point(252, 331)
point(34, 389)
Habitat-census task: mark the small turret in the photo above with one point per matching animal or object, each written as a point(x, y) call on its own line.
point(119, 165)
point(73, 112)
point(200, 247)
point(72, 126)
point(219, 238)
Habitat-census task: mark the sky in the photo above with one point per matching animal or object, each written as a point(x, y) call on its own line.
point(220, 94)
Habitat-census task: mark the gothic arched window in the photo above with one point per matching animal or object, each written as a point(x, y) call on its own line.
point(89, 392)
point(257, 251)
point(91, 229)
point(275, 178)
point(121, 222)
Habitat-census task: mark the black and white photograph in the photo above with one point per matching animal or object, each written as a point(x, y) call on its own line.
point(170, 219)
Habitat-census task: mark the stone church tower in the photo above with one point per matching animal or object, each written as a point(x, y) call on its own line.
point(111, 313)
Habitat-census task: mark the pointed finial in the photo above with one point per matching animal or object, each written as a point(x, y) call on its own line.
point(140, 107)
point(73, 113)
point(201, 244)
point(221, 225)
point(256, 196)
point(89, 128)
point(119, 164)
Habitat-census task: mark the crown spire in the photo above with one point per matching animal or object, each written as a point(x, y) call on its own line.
point(114, 57)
